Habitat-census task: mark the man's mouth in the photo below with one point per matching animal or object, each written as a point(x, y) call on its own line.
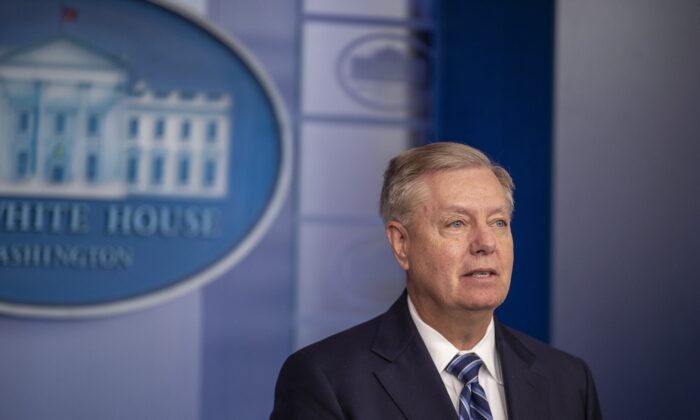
point(481, 273)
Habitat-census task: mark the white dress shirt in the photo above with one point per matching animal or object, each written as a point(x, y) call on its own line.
point(442, 352)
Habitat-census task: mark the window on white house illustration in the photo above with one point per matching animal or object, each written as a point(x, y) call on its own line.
point(22, 164)
point(157, 170)
point(132, 169)
point(58, 172)
point(93, 125)
point(209, 172)
point(57, 169)
point(59, 126)
point(91, 167)
point(211, 131)
point(183, 170)
point(23, 123)
point(185, 129)
point(159, 129)
point(133, 128)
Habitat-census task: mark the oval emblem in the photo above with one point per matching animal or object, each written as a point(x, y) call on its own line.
point(136, 162)
point(385, 71)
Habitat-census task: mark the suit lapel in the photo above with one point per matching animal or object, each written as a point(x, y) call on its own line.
point(527, 392)
point(410, 377)
point(415, 386)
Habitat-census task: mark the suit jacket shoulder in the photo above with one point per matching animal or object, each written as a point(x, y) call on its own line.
point(311, 379)
point(542, 382)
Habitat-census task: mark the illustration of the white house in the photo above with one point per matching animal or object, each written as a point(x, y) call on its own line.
point(72, 125)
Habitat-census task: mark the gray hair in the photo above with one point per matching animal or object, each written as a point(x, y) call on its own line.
point(403, 176)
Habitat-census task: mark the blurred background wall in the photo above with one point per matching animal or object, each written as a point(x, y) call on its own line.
point(591, 105)
point(625, 293)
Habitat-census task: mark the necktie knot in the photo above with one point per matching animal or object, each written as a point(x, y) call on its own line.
point(465, 367)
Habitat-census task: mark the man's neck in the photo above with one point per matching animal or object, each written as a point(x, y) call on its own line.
point(463, 328)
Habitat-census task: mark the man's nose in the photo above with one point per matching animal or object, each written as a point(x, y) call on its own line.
point(483, 241)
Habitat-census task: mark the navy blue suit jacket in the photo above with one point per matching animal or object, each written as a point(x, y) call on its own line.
point(381, 370)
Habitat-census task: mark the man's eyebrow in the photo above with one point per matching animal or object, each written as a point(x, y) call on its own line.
point(455, 209)
point(500, 209)
point(464, 210)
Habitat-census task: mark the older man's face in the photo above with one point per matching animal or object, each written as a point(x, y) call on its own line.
point(458, 247)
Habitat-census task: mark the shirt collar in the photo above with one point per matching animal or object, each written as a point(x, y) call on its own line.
point(442, 351)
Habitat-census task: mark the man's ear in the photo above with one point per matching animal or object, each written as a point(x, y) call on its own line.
point(397, 235)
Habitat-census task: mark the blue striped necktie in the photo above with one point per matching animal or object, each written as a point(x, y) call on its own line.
point(473, 404)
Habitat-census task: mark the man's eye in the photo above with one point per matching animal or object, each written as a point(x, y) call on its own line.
point(501, 223)
point(456, 224)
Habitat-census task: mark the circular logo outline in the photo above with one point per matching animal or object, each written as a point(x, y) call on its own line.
point(244, 247)
point(345, 53)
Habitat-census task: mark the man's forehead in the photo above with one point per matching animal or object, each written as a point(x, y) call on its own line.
point(479, 180)
point(447, 196)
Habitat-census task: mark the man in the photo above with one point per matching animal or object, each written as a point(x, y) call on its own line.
point(438, 353)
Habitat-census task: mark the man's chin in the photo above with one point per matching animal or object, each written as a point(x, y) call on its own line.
point(482, 304)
